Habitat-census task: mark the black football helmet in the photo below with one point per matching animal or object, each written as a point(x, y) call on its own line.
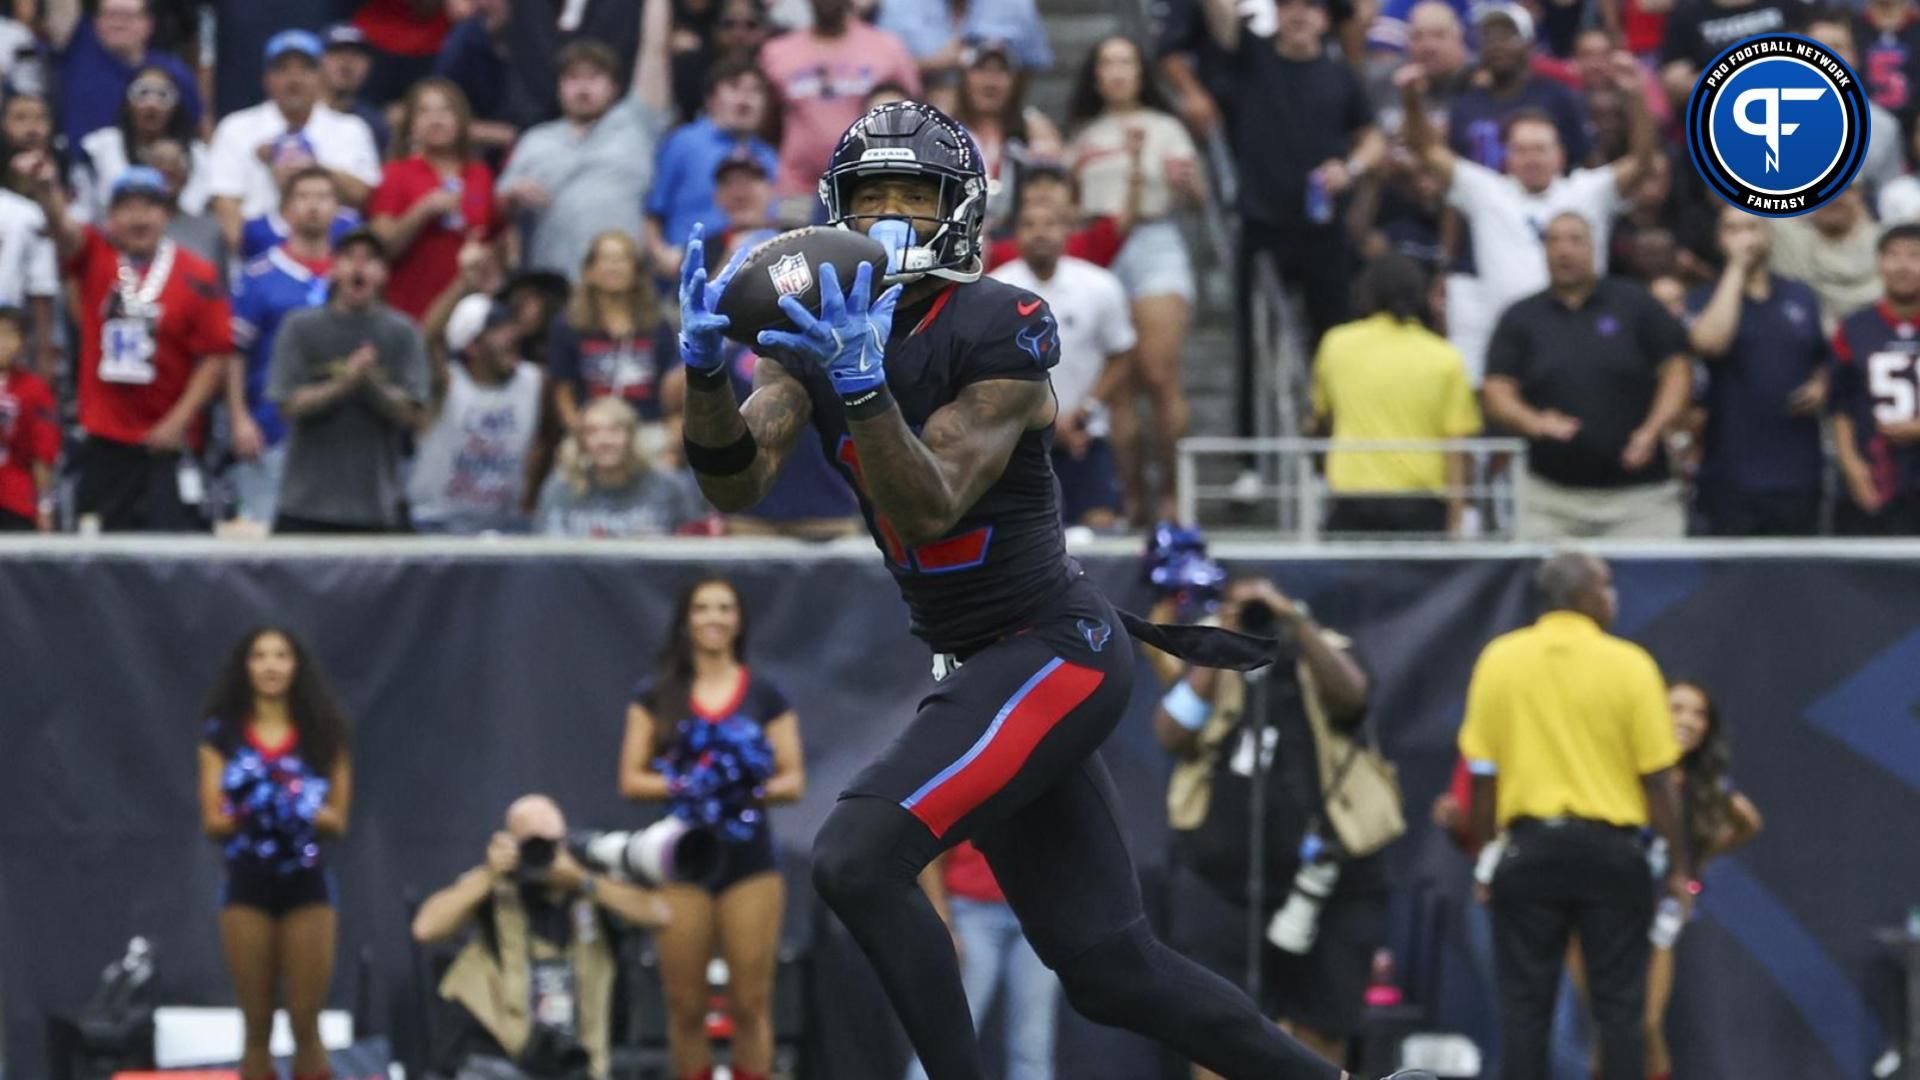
point(913, 139)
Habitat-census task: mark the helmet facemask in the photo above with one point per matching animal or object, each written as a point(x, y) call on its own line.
point(942, 246)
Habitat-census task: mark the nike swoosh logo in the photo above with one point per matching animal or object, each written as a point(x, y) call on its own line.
point(1026, 307)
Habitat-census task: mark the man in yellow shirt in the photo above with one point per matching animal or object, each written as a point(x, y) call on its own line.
point(1572, 753)
point(1387, 377)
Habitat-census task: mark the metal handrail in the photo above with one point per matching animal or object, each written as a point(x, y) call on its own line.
point(1226, 195)
point(1281, 380)
point(1289, 478)
point(1280, 374)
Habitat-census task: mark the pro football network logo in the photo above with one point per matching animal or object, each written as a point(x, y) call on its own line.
point(1778, 125)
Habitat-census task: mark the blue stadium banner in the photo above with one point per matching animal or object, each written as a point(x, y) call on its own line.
point(474, 675)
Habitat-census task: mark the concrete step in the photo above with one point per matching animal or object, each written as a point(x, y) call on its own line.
point(1072, 35)
point(1211, 414)
point(1207, 362)
point(1050, 95)
point(1073, 28)
point(1121, 10)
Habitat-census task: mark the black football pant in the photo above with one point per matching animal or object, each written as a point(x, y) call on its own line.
point(1005, 752)
point(1556, 880)
point(1314, 259)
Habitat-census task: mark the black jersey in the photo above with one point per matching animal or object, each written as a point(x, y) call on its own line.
point(1006, 556)
point(1876, 380)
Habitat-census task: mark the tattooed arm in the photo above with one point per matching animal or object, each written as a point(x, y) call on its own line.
point(922, 485)
point(775, 413)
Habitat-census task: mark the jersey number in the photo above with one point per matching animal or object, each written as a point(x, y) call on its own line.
point(1885, 74)
point(1895, 386)
point(962, 552)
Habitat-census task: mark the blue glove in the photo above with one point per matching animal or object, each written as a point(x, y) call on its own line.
point(702, 348)
point(849, 338)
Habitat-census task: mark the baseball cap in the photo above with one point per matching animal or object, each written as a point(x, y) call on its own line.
point(473, 316)
point(345, 36)
point(978, 49)
point(1520, 17)
point(140, 182)
point(362, 235)
point(549, 285)
point(289, 42)
point(740, 158)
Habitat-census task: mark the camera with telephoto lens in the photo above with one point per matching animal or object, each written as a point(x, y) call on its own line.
point(669, 851)
point(1258, 618)
point(1296, 925)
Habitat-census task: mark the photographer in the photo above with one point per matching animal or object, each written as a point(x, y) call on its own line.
point(537, 975)
point(1313, 972)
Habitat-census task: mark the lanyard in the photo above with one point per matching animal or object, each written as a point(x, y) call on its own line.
point(139, 296)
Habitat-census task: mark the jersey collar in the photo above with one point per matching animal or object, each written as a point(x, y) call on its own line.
point(1891, 317)
point(1567, 620)
point(933, 310)
point(294, 267)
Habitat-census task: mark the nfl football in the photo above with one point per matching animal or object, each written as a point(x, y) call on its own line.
point(789, 265)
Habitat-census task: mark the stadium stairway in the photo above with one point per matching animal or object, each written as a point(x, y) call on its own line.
point(1073, 28)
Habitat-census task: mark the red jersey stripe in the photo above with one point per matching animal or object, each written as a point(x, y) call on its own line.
point(1054, 691)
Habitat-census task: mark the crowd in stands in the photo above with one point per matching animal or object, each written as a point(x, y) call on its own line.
point(379, 265)
point(1674, 365)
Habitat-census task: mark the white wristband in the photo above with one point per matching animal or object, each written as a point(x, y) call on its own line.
point(1186, 706)
point(1489, 860)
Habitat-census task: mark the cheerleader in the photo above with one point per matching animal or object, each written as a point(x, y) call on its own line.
point(718, 744)
point(274, 782)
